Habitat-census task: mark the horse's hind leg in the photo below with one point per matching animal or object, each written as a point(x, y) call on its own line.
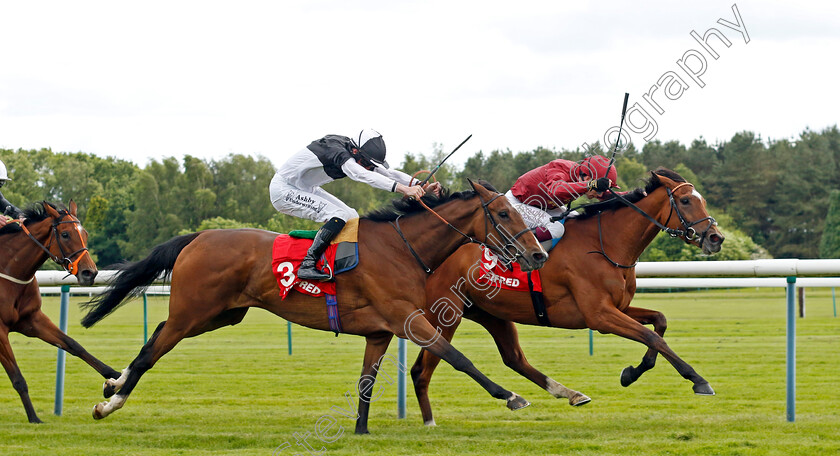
point(507, 341)
point(161, 342)
point(39, 325)
point(113, 385)
point(226, 318)
point(646, 317)
point(374, 352)
point(164, 339)
point(131, 375)
point(7, 358)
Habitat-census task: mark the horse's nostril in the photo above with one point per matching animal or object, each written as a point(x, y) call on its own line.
point(87, 275)
point(539, 257)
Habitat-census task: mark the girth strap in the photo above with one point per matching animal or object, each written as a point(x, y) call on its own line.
point(332, 313)
point(538, 302)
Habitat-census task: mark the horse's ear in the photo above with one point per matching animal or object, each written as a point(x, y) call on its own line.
point(73, 208)
point(662, 180)
point(483, 192)
point(472, 184)
point(51, 210)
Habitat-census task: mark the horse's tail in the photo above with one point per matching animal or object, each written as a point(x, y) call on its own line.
point(134, 278)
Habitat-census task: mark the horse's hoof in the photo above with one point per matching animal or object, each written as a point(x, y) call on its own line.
point(36, 420)
point(362, 431)
point(108, 389)
point(703, 389)
point(580, 399)
point(517, 402)
point(430, 423)
point(627, 377)
point(97, 412)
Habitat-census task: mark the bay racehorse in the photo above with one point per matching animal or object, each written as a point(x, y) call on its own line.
point(45, 231)
point(216, 275)
point(588, 282)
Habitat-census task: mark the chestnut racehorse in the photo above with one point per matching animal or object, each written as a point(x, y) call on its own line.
point(218, 274)
point(588, 282)
point(45, 231)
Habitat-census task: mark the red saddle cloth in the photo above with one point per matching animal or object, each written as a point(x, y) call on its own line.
point(496, 274)
point(287, 254)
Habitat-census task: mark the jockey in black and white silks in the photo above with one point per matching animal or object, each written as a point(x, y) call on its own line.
point(7, 209)
point(296, 187)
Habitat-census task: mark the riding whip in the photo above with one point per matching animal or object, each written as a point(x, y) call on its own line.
point(620, 126)
point(442, 161)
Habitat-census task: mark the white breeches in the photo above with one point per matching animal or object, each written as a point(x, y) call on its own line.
point(535, 216)
point(315, 204)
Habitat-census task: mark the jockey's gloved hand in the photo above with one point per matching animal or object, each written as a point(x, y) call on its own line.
point(414, 191)
point(600, 184)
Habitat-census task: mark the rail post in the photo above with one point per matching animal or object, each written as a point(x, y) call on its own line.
point(59, 364)
point(289, 335)
point(145, 320)
point(791, 349)
point(401, 380)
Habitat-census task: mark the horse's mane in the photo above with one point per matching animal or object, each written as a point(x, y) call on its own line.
point(35, 213)
point(404, 207)
point(613, 203)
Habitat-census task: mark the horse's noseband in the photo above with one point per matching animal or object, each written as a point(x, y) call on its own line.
point(66, 261)
point(688, 233)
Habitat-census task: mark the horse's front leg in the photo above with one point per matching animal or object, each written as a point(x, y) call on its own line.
point(7, 358)
point(646, 317)
point(507, 341)
point(425, 365)
point(421, 332)
point(610, 320)
point(375, 350)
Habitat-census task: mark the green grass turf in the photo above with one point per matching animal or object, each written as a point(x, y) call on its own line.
point(236, 391)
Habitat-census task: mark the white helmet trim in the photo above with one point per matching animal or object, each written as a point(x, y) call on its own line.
point(3, 174)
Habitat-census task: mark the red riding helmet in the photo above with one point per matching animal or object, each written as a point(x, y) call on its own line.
point(598, 166)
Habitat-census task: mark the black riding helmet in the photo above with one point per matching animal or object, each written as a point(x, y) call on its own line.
point(371, 147)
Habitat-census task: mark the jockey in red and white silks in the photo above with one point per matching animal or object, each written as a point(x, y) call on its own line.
point(545, 192)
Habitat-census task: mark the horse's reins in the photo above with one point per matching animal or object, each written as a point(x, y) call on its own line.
point(688, 233)
point(509, 241)
point(70, 266)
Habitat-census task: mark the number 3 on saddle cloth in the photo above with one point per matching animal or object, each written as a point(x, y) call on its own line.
point(341, 256)
point(511, 277)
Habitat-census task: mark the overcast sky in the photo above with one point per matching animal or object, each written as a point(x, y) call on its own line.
point(206, 78)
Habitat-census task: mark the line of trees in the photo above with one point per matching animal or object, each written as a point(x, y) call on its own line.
point(771, 198)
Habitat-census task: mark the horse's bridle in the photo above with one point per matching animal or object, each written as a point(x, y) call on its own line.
point(688, 233)
point(66, 260)
point(510, 241)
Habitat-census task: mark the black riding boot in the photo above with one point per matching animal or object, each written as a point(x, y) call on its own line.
point(322, 240)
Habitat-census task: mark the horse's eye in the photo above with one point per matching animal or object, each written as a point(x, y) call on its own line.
point(503, 214)
point(65, 235)
point(684, 200)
